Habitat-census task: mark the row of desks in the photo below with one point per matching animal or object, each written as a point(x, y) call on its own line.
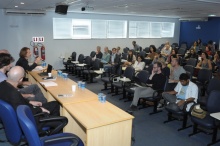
point(97, 124)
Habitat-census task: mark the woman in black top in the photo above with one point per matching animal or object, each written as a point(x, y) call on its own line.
point(24, 54)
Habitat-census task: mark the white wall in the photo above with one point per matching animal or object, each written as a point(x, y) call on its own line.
point(17, 31)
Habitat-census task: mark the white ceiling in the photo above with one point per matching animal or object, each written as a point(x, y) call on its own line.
point(158, 8)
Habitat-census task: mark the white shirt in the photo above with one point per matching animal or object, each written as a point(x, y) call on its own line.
point(138, 66)
point(191, 92)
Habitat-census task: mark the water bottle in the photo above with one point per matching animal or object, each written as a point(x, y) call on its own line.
point(100, 97)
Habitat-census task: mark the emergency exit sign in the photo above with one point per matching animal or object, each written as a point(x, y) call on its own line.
point(38, 39)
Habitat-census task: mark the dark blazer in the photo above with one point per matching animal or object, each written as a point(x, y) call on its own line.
point(24, 63)
point(116, 60)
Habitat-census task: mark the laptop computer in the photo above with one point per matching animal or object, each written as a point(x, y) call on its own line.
point(49, 69)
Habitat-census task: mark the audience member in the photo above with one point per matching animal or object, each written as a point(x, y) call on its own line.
point(185, 91)
point(130, 58)
point(98, 52)
point(118, 51)
point(25, 54)
point(10, 94)
point(208, 50)
point(191, 54)
point(165, 52)
point(158, 58)
point(175, 71)
point(157, 79)
point(173, 54)
point(139, 65)
point(165, 69)
point(136, 47)
point(114, 61)
point(195, 47)
point(199, 43)
point(204, 63)
point(106, 56)
point(152, 52)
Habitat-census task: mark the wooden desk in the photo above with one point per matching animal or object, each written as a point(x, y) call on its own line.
point(99, 124)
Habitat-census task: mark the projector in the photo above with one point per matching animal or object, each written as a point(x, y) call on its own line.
point(83, 8)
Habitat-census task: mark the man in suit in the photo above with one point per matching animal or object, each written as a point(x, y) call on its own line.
point(114, 61)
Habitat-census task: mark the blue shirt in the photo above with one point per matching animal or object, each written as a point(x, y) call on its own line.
point(182, 93)
point(2, 76)
point(113, 58)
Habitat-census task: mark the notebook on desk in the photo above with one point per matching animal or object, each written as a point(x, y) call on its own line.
point(49, 69)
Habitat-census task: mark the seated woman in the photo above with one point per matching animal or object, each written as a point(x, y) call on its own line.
point(130, 59)
point(195, 47)
point(191, 54)
point(158, 58)
point(173, 54)
point(216, 61)
point(152, 52)
point(208, 50)
point(139, 65)
point(204, 63)
point(25, 54)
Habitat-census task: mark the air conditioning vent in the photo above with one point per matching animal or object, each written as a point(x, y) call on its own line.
point(24, 12)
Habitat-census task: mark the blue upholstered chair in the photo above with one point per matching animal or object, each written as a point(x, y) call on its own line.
point(28, 126)
point(9, 120)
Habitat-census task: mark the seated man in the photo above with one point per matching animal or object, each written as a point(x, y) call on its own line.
point(31, 92)
point(175, 71)
point(10, 94)
point(185, 91)
point(114, 61)
point(157, 79)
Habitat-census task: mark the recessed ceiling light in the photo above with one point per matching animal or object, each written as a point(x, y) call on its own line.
point(212, 15)
point(22, 3)
point(16, 6)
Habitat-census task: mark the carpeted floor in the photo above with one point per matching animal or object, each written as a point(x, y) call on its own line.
point(148, 130)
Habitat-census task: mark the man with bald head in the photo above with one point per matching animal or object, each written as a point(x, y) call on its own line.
point(31, 92)
point(4, 51)
point(11, 95)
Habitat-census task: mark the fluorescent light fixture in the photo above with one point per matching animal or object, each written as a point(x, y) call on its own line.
point(212, 15)
point(22, 3)
point(16, 6)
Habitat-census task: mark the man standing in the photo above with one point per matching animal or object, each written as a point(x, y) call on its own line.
point(157, 79)
point(136, 47)
point(185, 91)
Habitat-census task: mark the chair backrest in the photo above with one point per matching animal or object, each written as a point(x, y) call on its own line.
point(189, 68)
point(143, 54)
point(88, 60)
point(142, 76)
point(28, 125)
point(182, 51)
point(214, 84)
point(125, 50)
point(147, 49)
point(92, 54)
point(96, 64)
point(9, 120)
point(191, 61)
point(204, 75)
point(129, 72)
point(73, 56)
point(213, 102)
point(81, 58)
point(124, 56)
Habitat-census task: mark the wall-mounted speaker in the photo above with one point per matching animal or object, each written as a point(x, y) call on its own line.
point(61, 9)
